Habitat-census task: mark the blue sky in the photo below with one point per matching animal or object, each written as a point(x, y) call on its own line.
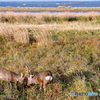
point(49, 0)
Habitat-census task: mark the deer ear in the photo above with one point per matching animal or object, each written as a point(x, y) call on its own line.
point(31, 76)
point(22, 75)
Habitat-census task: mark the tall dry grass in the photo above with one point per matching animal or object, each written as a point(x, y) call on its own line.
point(39, 18)
point(19, 35)
point(21, 32)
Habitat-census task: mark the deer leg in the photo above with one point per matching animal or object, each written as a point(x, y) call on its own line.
point(41, 93)
point(40, 86)
point(10, 85)
point(51, 83)
point(11, 88)
point(44, 87)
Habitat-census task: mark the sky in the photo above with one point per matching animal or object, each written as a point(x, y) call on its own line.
point(49, 0)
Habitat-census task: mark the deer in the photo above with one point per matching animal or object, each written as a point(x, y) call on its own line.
point(10, 77)
point(41, 78)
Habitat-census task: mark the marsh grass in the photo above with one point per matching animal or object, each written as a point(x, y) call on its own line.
point(40, 18)
point(71, 50)
point(60, 8)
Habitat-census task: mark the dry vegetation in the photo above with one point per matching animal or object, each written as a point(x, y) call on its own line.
point(37, 18)
point(60, 8)
point(68, 44)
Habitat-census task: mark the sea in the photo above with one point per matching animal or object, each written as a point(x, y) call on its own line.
point(55, 4)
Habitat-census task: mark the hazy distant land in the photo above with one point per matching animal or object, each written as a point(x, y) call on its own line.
point(60, 8)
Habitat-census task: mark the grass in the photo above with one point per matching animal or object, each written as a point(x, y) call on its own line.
point(60, 8)
point(41, 18)
point(70, 49)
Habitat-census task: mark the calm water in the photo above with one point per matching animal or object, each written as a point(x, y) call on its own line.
point(52, 4)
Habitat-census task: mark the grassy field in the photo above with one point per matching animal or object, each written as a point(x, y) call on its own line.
point(68, 44)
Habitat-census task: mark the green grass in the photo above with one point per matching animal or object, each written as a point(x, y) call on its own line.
point(73, 56)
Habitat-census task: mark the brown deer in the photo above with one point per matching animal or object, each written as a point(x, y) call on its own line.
point(41, 78)
point(11, 77)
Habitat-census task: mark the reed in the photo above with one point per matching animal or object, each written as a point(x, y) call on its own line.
point(41, 18)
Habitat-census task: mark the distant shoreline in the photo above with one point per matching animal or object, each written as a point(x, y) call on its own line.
point(60, 8)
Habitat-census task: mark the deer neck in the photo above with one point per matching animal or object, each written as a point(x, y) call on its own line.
point(18, 78)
